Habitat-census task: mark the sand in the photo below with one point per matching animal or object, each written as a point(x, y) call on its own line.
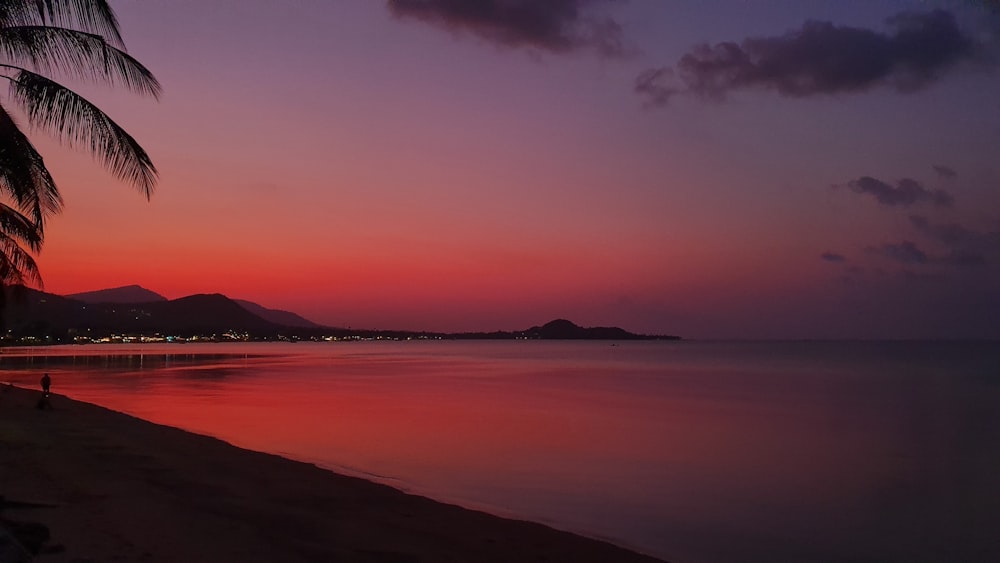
point(124, 489)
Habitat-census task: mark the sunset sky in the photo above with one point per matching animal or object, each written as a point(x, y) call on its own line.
point(714, 169)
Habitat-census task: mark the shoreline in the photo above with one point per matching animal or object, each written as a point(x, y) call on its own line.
point(127, 489)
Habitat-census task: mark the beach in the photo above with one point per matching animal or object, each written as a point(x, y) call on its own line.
point(117, 488)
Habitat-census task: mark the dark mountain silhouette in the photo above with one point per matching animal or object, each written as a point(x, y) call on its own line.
point(276, 316)
point(124, 294)
point(132, 294)
point(205, 313)
point(31, 312)
point(561, 329)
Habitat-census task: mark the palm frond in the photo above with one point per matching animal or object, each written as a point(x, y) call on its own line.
point(23, 175)
point(80, 123)
point(52, 50)
point(91, 16)
point(17, 267)
point(20, 228)
point(19, 12)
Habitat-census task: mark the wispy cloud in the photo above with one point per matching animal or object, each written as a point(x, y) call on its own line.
point(832, 257)
point(905, 252)
point(966, 247)
point(946, 172)
point(951, 234)
point(963, 247)
point(964, 258)
point(906, 192)
point(820, 58)
point(657, 86)
point(557, 26)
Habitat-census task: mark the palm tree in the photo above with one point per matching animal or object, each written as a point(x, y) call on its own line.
point(39, 40)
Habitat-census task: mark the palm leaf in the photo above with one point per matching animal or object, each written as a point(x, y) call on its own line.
point(80, 123)
point(92, 16)
point(23, 175)
point(50, 50)
point(16, 265)
point(79, 39)
point(20, 228)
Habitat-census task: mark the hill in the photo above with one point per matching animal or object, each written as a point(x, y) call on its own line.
point(30, 315)
point(561, 329)
point(276, 316)
point(36, 313)
point(133, 294)
point(124, 294)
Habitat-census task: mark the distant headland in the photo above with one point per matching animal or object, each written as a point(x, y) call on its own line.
point(135, 314)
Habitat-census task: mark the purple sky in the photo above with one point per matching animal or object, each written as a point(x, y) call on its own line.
point(711, 169)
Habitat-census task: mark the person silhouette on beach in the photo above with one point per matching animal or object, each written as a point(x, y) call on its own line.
point(43, 402)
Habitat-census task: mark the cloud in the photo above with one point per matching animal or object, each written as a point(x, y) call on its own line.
point(967, 247)
point(832, 257)
point(657, 85)
point(964, 248)
point(946, 172)
point(557, 26)
point(821, 58)
point(906, 252)
point(906, 192)
point(964, 258)
point(910, 275)
point(951, 234)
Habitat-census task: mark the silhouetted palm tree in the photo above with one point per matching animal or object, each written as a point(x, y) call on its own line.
point(39, 40)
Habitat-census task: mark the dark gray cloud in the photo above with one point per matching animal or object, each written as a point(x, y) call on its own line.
point(906, 192)
point(906, 252)
point(963, 248)
point(823, 58)
point(657, 86)
point(832, 257)
point(910, 275)
point(951, 234)
point(964, 258)
point(552, 25)
point(946, 172)
point(966, 247)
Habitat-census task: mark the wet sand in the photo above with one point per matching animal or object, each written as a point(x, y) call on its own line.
point(124, 489)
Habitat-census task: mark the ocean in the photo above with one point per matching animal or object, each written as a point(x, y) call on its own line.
point(696, 452)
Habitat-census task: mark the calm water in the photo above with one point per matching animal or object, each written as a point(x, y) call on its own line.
point(695, 452)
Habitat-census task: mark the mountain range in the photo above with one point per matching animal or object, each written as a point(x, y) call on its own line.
point(134, 294)
point(134, 310)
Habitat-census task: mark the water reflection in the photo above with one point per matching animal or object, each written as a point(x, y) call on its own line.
point(695, 452)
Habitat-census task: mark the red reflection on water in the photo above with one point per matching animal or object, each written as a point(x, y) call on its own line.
point(661, 452)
